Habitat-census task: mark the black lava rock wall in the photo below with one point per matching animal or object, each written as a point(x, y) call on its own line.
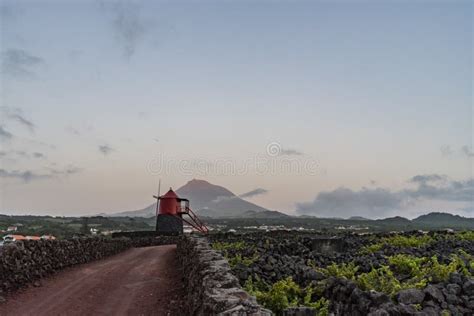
point(25, 262)
point(209, 286)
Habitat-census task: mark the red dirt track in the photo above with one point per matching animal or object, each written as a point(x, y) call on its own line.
point(139, 281)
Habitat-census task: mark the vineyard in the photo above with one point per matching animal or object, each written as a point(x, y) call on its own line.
point(378, 274)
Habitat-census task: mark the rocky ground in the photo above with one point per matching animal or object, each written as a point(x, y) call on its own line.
point(382, 274)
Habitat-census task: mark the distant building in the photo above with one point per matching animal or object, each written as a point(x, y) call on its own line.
point(109, 232)
point(12, 228)
point(48, 237)
point(12, 238)
point(94, 231)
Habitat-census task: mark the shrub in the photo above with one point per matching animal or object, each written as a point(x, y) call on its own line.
point(380, 280)
point(440, 272)
point(224, 246)
point(232, 252)
point(399, 241)
point(343, 270)
point(466, 235)
point(406, 264)
point(284, 294)
point(280, 296)
point(321, 306)
point(247, 261)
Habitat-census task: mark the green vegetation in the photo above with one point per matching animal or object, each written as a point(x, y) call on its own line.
point(343, 270)
point(429, 222)
point(406, 265)
point(406, 261)
point(465, 235)
point(232, 251)
point(286, 293)
point(399, 241)
point(438, 272)
point(381, 280)
point(415, 272)
point(67, 227)
point(238, 259)
point(225, 246)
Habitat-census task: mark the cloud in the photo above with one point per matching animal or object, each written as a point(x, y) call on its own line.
point(4, 134)
point(249, 194)
point(223, 198)
point(128, 26)
point(461, 191)
point(105, 149)
point(427, 178)
point(253, 193)
point(290, 152)
point(467, 151)
point(379, 202)
point(69, 170)
point(38, 155)
point(25, 176)
point(23, 154)
point(72, 130)
point(446, 150)
point(343, 201)
point(28, 175)
point(16, 114)
point(19, 64)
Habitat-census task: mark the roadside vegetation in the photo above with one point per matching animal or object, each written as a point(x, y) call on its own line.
point(237, 252)
point(282, 270)
point(286, 293)
point(403, 272)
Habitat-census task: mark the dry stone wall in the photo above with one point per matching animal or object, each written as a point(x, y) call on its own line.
point(210, 288)
point(26, 262)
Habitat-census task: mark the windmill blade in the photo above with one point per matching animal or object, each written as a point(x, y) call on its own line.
point(158, 198)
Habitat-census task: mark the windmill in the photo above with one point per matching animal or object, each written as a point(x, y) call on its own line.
point(170, 209)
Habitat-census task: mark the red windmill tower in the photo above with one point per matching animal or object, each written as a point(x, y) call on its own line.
point(170, 209)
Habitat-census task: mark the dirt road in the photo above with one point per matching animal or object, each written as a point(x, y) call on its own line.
point(139, 281)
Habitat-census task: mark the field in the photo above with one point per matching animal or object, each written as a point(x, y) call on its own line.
point(350, 274)
point(67, 227)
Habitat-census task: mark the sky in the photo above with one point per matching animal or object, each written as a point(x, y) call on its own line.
point(337, 108)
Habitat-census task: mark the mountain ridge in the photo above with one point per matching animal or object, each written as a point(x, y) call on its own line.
point(210, 200)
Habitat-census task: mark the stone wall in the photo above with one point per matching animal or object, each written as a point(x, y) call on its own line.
point(25, 262)
point(454, 297)
point(210, 288)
